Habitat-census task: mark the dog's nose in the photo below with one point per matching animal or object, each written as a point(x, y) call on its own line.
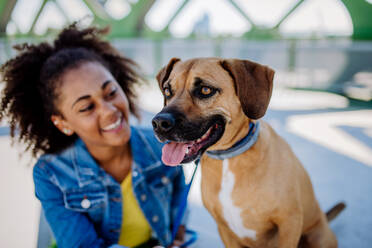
point(163, 122)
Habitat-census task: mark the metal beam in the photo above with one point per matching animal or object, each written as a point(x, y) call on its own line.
point(132, 25)
point(361, 14)
point(37, 16)
point(185, 2)
point(6, 9)
point(245, 15)
point(97, 9)
point(63, 12)
point(140, 14)
point(288, 13)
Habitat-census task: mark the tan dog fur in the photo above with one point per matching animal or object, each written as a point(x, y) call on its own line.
point(271, 189)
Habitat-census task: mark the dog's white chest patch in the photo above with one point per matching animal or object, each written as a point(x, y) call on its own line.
point(230, 211)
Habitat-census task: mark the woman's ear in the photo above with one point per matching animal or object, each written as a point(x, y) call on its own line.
point(61, 125)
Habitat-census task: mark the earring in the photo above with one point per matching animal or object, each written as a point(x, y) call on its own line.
point(67, 131)
point(55, 123)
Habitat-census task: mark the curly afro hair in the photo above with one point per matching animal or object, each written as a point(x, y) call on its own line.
point(32, 81)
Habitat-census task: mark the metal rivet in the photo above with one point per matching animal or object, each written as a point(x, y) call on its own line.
point(85, 203)
point(155, 218)
point(143, 197)
point(164, 180)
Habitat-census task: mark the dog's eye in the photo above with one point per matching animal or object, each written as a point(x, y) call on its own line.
point(205, 90)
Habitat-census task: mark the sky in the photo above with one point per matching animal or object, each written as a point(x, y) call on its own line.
point(321, 16)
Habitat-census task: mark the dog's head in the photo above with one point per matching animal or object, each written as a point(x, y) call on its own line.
point(206, 100)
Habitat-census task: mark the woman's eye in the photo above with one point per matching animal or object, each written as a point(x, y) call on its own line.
point(167, 92)
point(113, 93)
point(89, 107)
point(206, 90)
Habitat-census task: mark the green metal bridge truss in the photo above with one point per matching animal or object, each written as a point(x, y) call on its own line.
point(360, 12)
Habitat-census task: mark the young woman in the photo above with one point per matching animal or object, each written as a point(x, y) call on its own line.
point(100, 181)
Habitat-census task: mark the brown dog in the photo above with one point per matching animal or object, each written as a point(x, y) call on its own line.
point(261, 196)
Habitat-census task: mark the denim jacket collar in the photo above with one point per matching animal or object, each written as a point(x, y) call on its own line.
point(84, 164)
point(88, 170)
point(144, 156)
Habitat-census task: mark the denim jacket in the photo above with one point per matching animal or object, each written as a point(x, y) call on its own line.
point(83, 203)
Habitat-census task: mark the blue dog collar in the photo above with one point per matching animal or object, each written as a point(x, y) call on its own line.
point(239, 147)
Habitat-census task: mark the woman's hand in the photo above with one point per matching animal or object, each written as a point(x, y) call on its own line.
point(176, 244)
point(179, 240)
point(180, 236)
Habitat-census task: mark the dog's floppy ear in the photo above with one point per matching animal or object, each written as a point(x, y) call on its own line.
point(164, 72)
point(253, 85)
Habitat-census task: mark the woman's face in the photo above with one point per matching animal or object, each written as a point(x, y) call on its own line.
point(93, 105)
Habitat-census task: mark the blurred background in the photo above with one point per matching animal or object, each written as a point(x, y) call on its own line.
point(321, 51)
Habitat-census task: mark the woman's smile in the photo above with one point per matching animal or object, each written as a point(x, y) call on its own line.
point(115, 126)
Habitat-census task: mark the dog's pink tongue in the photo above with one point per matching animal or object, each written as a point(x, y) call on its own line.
point(173, 153)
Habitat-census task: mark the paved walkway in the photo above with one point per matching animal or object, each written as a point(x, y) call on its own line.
point(332, 139)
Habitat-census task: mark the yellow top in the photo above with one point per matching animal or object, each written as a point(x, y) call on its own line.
point(135, 229)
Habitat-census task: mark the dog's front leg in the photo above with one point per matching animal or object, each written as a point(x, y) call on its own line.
point(290, 230)
point(229, 240)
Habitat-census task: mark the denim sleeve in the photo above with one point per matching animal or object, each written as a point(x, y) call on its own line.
point(70, 228)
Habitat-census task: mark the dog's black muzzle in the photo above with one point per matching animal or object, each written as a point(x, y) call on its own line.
point(163, 122)
point(173, 125)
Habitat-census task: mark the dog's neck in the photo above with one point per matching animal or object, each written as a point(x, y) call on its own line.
point(234, 131)
point(240, 146)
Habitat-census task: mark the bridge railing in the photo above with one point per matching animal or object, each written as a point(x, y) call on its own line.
point(314, 64)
